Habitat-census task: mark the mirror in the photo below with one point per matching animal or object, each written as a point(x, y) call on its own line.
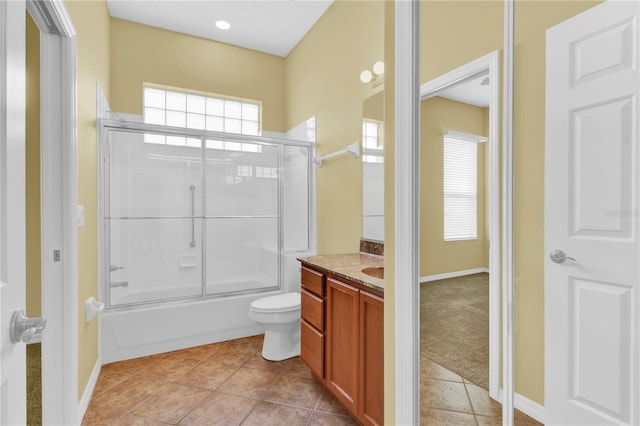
point(459, 212)
point(373, 167)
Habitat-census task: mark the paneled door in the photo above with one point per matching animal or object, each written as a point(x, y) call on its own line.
point(592, 218)
point(12, 208)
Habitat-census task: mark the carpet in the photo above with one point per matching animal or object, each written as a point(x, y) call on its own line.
point(34, 385)
point(454, 325)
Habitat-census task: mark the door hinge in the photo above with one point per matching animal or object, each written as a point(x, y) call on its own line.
point(56, 255)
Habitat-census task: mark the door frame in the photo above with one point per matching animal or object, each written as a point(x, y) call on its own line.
point(59, 188)
point(491, 63)
point(406, 261)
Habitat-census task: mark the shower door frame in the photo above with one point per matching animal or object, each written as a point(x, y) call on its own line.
point(105, 125)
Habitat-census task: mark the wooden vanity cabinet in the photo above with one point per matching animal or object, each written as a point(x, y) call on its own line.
point(344, 347)
point(312, 322)
point(342, 342)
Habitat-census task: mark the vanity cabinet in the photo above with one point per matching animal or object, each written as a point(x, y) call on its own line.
point(342, 341)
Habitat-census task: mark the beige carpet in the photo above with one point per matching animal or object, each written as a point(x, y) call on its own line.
point(454, 325)
point(34, 385)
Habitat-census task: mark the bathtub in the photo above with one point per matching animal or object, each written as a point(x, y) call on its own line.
point(141, 330)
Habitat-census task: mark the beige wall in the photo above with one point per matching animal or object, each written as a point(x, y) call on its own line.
point(532, 20)
point(140, 53)
point(92, 22)
point(436, 255)
point(322, 79)
point(32, 169)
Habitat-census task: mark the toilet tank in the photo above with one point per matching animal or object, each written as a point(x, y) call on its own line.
point(291, 271)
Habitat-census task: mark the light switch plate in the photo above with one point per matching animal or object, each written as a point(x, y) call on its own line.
point(80, 216)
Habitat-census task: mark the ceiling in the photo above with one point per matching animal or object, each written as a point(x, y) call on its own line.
point(470, 91)
point(269, 26)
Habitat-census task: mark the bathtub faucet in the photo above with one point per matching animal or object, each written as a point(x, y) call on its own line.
point(119, 284)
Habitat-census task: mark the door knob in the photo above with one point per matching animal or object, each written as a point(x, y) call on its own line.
point(558, 256)
point(23, 328)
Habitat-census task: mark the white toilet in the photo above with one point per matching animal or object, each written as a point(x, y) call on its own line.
point(280, 316)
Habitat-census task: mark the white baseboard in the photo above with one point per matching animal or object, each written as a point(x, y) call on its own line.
point(455, 274)
point(88, 390)
point(527, 406)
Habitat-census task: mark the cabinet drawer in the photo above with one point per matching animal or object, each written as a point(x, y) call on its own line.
point(312, 349)
point(313, 281)
point(313, 310)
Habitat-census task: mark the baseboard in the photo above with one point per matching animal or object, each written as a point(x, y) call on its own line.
point(527, 406)
point(88, 390)
point(455, 274)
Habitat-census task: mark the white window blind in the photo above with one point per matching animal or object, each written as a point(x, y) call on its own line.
point(460, 190)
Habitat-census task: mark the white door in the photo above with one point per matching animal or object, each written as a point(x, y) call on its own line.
point(592, 214)
point(12, 210)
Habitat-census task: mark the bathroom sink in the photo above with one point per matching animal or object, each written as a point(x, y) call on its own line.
point(374, 271)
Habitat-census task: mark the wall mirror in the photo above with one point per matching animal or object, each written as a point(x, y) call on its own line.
point(373, 167)
point(460, 305)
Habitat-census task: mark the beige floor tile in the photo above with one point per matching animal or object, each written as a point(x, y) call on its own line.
point(256, 361)
point(329, 419)
point(220, 409)
point(267, 414)
point(168, 369)
point(198, 352)
point(171, 403)
point(249, 382)
point(489, 421)
point(97, 415)
point(524, 420)
point(133, 420)
point(432, 370)
point(444, 395)
point(330, 403)
point(295, 390)
point(107, 380)
point(482, 404)
point(295, 366)
point(207, 374)
point(128, 394)
point(131, 366)
point(237, 354)
point(435, 417)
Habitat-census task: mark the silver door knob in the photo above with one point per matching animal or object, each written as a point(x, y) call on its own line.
point(558, 256)
point(23, 328)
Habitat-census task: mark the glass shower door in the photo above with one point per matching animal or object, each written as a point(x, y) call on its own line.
point(153, 217)
point(242, 216)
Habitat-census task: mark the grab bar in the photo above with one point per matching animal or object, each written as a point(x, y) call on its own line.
point(192, 188)
point(119, 284)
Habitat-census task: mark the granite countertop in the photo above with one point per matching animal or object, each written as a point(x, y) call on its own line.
point(349, 266)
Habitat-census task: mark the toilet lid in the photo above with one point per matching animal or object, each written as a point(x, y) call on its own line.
point(281, 303)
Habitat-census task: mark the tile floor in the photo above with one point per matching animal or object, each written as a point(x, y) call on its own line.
point(222, 383)
point(448, 399)
point(230, 383)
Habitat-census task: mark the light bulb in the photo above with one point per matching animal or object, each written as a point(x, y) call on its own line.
point(223, 25)
point(366, 76)
point(378, 68)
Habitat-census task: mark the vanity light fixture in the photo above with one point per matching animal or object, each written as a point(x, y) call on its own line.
point(376, 78)
point(223, 25)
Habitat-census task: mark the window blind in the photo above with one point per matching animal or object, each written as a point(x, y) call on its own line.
point(460, 190)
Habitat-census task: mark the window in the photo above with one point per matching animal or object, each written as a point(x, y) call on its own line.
point(373, 151)
point(198, 111)
point(460, 189)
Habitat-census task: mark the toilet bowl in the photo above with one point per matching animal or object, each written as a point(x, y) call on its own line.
point(280, 316)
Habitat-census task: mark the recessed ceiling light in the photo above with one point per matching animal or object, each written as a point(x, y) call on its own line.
point(223, 25)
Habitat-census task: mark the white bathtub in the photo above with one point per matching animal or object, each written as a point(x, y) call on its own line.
point(136, 331)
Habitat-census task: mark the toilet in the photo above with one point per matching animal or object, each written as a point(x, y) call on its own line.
point(280, 316)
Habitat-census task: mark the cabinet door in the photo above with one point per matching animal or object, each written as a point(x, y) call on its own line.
point(312, 348)
point(371, 405)
point(342, 342)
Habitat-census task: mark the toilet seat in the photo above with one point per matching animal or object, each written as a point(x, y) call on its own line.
point(286, 302)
